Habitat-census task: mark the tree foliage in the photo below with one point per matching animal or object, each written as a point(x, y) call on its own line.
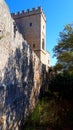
point(63, 51)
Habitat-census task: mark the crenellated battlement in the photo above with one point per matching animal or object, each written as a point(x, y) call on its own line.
point(28, 12)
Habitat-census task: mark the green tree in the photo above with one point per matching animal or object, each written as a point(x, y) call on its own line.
point(63, 51)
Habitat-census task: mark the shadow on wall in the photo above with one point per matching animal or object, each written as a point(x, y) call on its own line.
point(18, 86)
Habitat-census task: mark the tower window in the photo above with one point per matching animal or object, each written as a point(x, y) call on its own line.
point(33, 45)
point(30, 24)
point(43, 44)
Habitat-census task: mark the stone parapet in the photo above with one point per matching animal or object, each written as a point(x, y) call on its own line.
point(28, 12)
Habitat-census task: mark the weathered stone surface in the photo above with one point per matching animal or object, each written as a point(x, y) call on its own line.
point(20, 74)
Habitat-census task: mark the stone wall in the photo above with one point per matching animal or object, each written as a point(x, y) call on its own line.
point(20, 74)
point(20, 88)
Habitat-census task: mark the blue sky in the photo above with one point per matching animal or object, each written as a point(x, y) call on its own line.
point(58, 14)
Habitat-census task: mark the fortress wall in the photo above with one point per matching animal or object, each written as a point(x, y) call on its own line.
point(19, 88)
point(20, 74)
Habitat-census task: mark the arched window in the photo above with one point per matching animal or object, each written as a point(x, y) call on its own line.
point(43, 44)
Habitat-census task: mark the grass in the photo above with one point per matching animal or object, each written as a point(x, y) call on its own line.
point(54, 110)
point(51, 113)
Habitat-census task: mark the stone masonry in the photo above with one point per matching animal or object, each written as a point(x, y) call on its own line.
point(32, 25)
point(20, 74)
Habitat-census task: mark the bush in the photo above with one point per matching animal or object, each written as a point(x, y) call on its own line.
point(63, 84)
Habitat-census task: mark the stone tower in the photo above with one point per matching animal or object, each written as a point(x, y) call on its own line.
point(32, 25)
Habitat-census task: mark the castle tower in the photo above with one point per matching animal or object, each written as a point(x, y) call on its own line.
point(32, 25)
